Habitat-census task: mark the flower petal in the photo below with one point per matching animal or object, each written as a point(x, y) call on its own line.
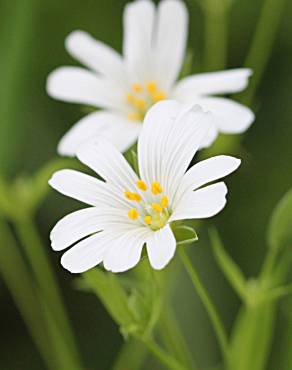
point(78, 85)
point(207, 171)
point(126, 251)
point(86, 189)
point(97, 56)
point(88, 253)
point(170, 41)
point(202, 203)
point(138, 32)
point(223, 82)
point(230, 117)
point(161, 247)
point(119, 131)
point(103, 158)
point(170, 137)
point(82, 223)
point(210, 137)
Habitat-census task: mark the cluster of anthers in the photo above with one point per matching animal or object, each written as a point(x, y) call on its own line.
point(151, 205)
point(141, 98)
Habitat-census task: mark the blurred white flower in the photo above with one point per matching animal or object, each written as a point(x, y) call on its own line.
point(124, 88)
point(128, 211)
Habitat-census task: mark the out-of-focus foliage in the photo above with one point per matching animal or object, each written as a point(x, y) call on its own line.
point(32, 44)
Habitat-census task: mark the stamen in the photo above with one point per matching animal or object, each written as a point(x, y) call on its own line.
point(137, 87)
point(160, 95)
point(164, 201)
point(134, 116)
point(133, 196)
point(151, 86)
point(156, 207)
point(133, 214)
point(130, 98)
point(141, 185)
point(148, 220)
point(139, 103)
point(156, 188)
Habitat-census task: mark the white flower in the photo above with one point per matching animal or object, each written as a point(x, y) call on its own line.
point(127, 211)
point(124, 88)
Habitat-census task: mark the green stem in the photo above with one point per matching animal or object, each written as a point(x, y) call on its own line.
point(215, 52)
point(269, 262)
point(131, 355)
point(163, 356)
point(15, 62)
point(21, 286)
point(173, 338)
point(47, 285)
point(207, 302)
point(258, 55)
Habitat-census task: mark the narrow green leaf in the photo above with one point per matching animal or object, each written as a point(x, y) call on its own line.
point(184, 234)
point(280, 227)
point(187, 65)
point(109, 290)
point(230, 270)
point(135, 161)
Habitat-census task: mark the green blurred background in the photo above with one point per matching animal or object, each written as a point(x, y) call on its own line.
point(32, 37)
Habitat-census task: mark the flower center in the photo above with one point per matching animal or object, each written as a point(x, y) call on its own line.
point(151, 205)
point(141, 98)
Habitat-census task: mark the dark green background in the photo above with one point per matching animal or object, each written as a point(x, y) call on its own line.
point(32, 44)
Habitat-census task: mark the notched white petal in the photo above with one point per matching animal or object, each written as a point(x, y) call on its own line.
point(203, 203)
point(161, 247)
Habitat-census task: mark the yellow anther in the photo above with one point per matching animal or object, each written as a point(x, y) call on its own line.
point(134, 116)
point(133, 196)
point(137, 87)
point(164, 201)
point(130, 98)
point(139, 103)
point(141, 185)
point(156, 188)
point(151, 86)
point(133, 214)
point(148, 220)
point(156, 207)
point(160, 95)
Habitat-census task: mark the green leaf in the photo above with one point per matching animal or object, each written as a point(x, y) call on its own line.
point(135, 161)
point(187, 64)
point(280, 228)
point(230, 270)
point(184, 234)
point(145, 298)
point(111, 293)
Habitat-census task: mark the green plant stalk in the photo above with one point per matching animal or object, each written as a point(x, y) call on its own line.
point(173, 339)
point(261, 46)
point(253, 330)
point(21, 286)
point(252, 337)
point(47, 284)
point(131, 355)
point(207, 302)
point(215, 46)
point(14, 62)
point(162, 356)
